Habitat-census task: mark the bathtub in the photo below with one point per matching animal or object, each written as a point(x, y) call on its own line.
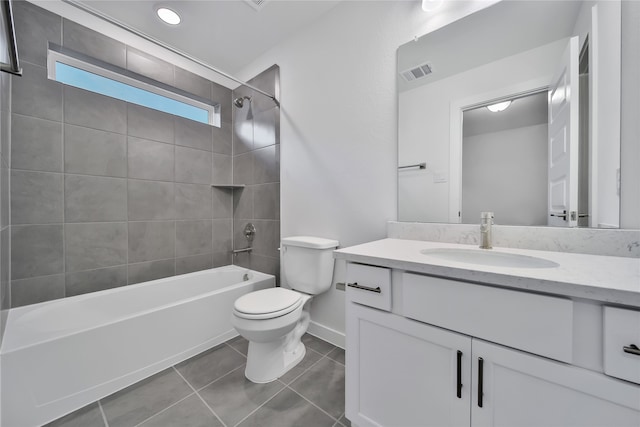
point(61, 355)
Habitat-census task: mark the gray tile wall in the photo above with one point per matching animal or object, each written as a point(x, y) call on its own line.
point(5, 229)
point(107, 193)
point(256, 163)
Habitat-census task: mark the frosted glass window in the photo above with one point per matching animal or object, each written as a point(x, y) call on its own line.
point(124, 86)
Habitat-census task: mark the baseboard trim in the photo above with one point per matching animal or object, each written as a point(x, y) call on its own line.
point(325, 333)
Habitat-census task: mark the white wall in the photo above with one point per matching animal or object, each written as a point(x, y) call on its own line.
point(338, 126)
point(604, 63)
point(630, 132)
point(424, 131)
point(506, 172)
point(605, 97)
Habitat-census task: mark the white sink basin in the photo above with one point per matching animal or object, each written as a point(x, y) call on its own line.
point(488, 257)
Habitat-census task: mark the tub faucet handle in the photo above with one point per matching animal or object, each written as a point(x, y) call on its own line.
point(249, 232)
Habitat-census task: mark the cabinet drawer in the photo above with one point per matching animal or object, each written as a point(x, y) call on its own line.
point(621, 332)
point(369, 285)
point(534, 323)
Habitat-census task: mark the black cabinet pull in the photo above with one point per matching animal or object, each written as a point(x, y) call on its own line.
point(459, 381)
point(480, 380)
point(364, 288)
point(632, 349)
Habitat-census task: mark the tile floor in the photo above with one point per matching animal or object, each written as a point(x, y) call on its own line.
point(210, 390)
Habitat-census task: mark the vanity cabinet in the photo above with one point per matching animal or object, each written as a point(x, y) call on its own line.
point(520, 389)
point(429, 361)
point(404, 373)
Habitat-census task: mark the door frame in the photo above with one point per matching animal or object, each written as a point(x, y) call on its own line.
point(457, 108)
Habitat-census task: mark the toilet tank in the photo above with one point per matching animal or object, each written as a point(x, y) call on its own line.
point(307, 263)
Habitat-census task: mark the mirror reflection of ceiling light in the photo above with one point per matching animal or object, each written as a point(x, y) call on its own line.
point(431, 5)
point(500, 106)
point(169, 16)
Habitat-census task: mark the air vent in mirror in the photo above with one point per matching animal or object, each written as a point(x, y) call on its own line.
point(417, 72)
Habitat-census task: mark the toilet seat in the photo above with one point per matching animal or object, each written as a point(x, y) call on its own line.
point(267, 303)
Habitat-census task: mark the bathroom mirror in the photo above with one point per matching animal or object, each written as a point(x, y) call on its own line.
point(552, 156)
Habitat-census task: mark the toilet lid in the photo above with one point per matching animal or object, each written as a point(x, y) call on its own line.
point(272, 300)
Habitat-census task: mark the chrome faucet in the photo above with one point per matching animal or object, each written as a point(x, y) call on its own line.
point(486, 221)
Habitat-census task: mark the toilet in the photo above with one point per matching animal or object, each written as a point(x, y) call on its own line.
point(273, 320)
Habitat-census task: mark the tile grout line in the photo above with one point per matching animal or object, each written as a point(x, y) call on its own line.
point(217, 379)
point(342, 416)
point(306, 370)
point(126, 133)
point(323, 411)
point(284, 386)
point(175, 208)
point(104, 416)
point(235, 349)
point(164, 410)
point(201, 184)
point(64, 192)
point(200, 397)
point(337, 361)
point(123, 221)
point(126, 150)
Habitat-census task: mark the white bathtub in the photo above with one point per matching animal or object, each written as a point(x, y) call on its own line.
point(60, 355)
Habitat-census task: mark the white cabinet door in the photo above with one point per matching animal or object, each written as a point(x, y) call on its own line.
point(520, 389)
point(405, 373)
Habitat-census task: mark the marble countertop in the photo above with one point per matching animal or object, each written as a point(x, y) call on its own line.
point(607, 279)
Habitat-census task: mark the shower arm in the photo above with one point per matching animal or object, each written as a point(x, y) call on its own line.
point(157, 42)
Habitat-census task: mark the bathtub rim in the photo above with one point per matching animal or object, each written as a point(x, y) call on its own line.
point(258, 276)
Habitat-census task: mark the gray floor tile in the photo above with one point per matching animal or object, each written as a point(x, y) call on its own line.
point(240, 344)
point(344, 421)
point(337, 354)
point(138, 402)
point(89, 416)
point(323, 385)
point(316, 344)
point(191, 412)
point(310, 358)
point(210, 365)
point(288, 409)
point(233, 397)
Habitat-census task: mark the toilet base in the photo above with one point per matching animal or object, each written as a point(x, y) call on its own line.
point(269, 361)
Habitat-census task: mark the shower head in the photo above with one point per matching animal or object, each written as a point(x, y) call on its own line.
point(239, 102)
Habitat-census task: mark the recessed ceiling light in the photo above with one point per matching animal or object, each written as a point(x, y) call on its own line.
point(169, 16)
point(431, 5)
point(500, 106)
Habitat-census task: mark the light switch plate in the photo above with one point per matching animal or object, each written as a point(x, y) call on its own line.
point(440, 177)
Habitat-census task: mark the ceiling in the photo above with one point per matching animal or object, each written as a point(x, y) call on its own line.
point(524, 111)
point(227, 34)
point(501, 30)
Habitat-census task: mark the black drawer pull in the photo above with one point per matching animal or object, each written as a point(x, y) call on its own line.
point(355, 285)
point(480, 380)
point(459, 376)
point(632, 349)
